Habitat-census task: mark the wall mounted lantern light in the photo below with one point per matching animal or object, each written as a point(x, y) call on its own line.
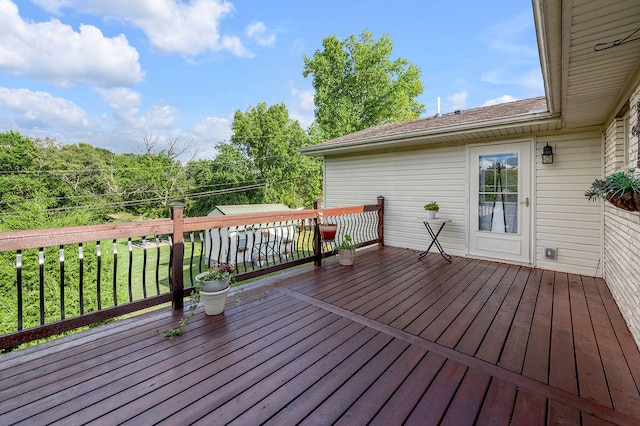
point(547, 154)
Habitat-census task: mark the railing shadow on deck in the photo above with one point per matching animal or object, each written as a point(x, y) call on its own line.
point(155, 262)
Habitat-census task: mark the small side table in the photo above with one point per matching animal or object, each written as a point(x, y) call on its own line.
point(439, 224)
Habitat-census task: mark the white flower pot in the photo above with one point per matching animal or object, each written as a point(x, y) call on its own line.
point(214, 301)
point(431, 214)
point(210, 286)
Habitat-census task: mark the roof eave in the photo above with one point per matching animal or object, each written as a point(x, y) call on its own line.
point(425, 137)
point(547, 19)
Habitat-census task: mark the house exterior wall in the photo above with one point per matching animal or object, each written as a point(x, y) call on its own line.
point(622, 231)
point(407, 180)
point(565, 219)
point(562, 219)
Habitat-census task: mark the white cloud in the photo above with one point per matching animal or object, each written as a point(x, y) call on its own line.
point(124, 104)
point(214, 128)
point(457, 100)
point(208, 133)
point(519, 63)
point(172, 26)
point(500, 100)
point(302, 108)
point(305, 98)
point(507, 36)
point(160, 117)
point(24, 108)
point(54, 52)
point(258, 32)
point(510, 74)
point(125, 107)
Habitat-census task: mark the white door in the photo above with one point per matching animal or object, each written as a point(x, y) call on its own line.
point(500, 201)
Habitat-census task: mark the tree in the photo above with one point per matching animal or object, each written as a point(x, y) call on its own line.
point(269, 140)
point(227, 179)
point(358, 86)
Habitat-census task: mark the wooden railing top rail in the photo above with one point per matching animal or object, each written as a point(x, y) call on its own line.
point(50, 237)
point(210, 222)
point(47, 237)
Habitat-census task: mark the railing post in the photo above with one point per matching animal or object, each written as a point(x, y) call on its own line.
point(317, 244)
point(380, 221)
point(177, 211)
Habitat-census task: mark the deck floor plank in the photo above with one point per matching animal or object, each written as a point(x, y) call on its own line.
point(622, 387)
point(593, 383)
point(390, 340)
point(512, 357)
point(536, 361)
point(366, 407)
point(475, 319)
point(498, 405)
point(562, 364)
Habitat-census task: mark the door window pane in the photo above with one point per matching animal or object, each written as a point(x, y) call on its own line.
point(498, 193)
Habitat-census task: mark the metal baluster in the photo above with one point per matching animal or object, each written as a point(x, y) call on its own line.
point(193, 249)
point(19, 286)
point(170, 263)
point(62, 313)
point(144, 267)
point(202, 249)
point(41, 266)
point(115, 273)
point(81, 277)
point(130, 276)
point(98, 277)
point(157, 265)
point(219, 256)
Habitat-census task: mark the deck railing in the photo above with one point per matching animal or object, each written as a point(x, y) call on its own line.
point(66, 278)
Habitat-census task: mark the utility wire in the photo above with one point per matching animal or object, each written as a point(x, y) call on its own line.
point(109, 169)
point(73, 197)
point(148, 200)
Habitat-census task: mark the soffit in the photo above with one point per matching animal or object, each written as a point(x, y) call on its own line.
point(600, 55)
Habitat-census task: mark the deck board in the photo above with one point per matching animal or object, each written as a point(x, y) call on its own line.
point(389, 340)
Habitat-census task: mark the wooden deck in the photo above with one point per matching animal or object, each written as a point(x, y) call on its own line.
point(388, 341)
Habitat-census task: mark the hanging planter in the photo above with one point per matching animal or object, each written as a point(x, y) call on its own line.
point(622, 189)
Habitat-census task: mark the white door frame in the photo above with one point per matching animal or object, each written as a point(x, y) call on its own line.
point(526, 146)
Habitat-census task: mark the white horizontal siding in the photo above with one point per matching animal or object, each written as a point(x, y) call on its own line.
point(408, 180)
point(564, 219)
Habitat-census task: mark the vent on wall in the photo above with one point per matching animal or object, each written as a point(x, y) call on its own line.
point(550, 253)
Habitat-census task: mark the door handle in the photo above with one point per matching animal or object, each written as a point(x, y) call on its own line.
point(525, 202)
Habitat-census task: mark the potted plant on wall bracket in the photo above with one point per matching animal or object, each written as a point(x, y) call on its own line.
point(622, 189)
point(346, 250)
point(431, 208)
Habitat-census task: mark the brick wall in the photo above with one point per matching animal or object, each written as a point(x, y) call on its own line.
point(622, 231)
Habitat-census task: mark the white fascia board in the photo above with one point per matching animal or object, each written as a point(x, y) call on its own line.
point(426, 136)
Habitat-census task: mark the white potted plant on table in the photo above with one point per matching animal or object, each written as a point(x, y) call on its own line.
point(431, 208)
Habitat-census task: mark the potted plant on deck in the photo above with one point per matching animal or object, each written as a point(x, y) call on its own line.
point(217, 280)
point(213, 286)
point(431, 208)
point(346, 251)
point(622, 189)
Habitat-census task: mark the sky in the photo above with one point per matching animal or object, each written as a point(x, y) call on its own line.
point(110, 72)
